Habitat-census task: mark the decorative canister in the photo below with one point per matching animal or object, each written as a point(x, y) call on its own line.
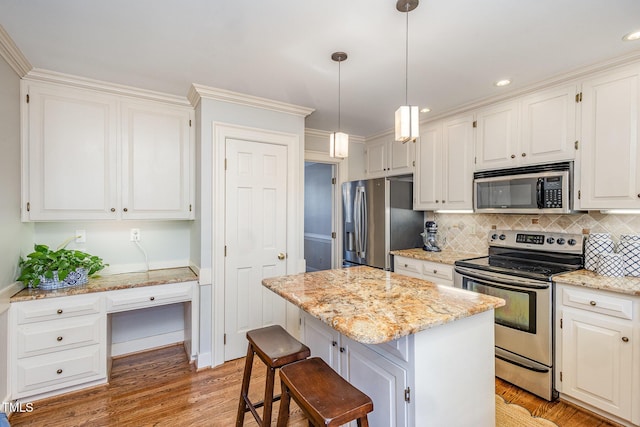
point(610, 264)
point(596, 244)
point(629, 248)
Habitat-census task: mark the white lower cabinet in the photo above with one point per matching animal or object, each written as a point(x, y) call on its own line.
point(599, 361)
point(380, 375)
point(56, 345)
point(438, 273)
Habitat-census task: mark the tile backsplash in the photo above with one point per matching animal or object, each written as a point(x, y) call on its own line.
point(468, 232)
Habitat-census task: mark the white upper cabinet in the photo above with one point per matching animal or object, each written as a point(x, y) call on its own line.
point(444, 168)
point(385, 157)
point(609, 149)
point(548, 131)
point(497, 136)
point(89, 155)
point(69, 153)
point(156, 152)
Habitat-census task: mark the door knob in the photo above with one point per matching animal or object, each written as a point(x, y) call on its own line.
point(281, 256)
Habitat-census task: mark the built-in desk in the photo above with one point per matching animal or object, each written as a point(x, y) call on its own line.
point(61, 340)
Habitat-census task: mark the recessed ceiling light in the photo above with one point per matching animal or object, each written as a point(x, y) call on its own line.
point(502, 82)
point(425, 110)
point(635, 35)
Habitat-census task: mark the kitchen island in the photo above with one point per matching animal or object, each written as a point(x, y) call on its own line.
point(424, 353)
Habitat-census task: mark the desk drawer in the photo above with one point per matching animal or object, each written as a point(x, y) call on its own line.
point(57, 308)
point(64, 334)
point(148, 296)
point(48, 372)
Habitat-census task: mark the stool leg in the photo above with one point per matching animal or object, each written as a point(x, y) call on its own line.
point(283, 412)
point(363, 422)
point(268, 397)
point(244, 391)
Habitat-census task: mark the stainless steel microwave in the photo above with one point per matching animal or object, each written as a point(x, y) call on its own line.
point(541, 189)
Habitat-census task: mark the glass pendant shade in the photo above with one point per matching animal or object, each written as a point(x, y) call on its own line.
point(407, 123)
point(339, 145)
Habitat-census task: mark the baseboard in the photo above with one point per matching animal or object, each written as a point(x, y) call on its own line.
point(203, 361)
point(147, 343)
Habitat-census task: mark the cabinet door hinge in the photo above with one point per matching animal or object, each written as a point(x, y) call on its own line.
point(189, 122)
point(575, 145)
point(190, 208)
point(579, 194)
point(333, 234)
point(475, 160)
point(225, 339)
point(27, 98)
point(28, 206)
point(407, 394)
point(414, 163)
point(475, 123)
point(560, 323)
point(578, 97)
point(333, 181)
point(225, 250)
point(560, 376)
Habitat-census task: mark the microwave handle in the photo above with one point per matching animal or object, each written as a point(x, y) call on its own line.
point(540, 193)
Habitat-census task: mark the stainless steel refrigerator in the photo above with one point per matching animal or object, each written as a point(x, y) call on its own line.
point(378, 218)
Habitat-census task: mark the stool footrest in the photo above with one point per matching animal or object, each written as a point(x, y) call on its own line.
point(258, 404)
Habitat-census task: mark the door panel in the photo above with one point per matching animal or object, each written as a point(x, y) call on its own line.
point(256, 202)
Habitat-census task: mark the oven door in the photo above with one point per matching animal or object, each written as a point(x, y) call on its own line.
point(523, 325)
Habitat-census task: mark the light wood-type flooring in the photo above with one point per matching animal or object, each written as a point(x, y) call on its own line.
point(160, 388)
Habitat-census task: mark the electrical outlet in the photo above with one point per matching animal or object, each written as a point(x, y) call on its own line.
point(135, 235)
point(81, 236)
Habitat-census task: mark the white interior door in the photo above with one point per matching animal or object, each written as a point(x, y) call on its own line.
point(256, 220)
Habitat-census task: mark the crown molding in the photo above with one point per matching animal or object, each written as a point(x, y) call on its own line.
point(198, 92)
point(325, 134)
point(14, 57)
point(41, 75)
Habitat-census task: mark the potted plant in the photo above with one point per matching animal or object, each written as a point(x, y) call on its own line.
point(52, 269)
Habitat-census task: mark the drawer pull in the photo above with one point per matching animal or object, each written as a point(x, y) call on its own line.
point(435, 271)
point(593, 303)
point(152, 298)
point(406, 265)
point(59, 371)
point(59, 311)
point(334, 343)
point(625, 339)
point(342, 350)
point(59, 338)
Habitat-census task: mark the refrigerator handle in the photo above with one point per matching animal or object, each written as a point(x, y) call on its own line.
point(360, 221)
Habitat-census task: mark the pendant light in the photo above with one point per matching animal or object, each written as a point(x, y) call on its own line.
point(339, 141)
point(407, 121)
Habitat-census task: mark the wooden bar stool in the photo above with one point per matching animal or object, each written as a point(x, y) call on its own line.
point(325, 397)
point(276, 348)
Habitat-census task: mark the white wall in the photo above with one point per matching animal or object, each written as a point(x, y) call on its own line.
point(14, 235)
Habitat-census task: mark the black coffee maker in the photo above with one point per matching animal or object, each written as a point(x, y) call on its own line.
point(430, 237)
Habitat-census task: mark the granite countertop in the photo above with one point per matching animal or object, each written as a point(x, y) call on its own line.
point(111, 283)
point(624, 285)
point(446, 256)
point(373, 306)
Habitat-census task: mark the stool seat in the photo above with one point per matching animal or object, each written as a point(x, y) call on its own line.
point(323, 395)
point(276, 348)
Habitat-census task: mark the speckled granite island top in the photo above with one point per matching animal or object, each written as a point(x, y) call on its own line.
point(113, 282)
point(624, 285)
point(446, 256)
point(373, 306)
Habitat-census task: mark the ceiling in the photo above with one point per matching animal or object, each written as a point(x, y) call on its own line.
point(281, 49)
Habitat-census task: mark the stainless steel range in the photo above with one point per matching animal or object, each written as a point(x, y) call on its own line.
point(520, 269)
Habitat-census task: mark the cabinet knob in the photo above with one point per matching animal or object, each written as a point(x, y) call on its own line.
point(59, 311)
point(437, 201)
point(593, 303)
point(638, 194)
point(59, 338)
point(126, 210)
point(406, 265)
point(113, 209)
point(435, 271)
point(341, 349)
point(625, 339)
point(524, 154)
point(443, 201)
point(334, 343)
point(152, 298)
point(59, 371)
point(513, 156)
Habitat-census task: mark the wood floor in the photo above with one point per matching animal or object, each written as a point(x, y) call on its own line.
point(160, 388)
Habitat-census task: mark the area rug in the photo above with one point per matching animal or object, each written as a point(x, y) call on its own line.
point(512, 415)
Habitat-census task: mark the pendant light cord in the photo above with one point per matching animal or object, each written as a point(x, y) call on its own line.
point(339, 80)
point(406, 64)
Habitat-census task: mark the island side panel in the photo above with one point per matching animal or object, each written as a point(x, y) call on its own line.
point(455, 373)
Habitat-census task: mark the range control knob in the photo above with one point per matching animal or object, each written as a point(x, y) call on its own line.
point(550, 240)
point(561, 241)
point(572, 242)
point(494, 236)
point(502, 237)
